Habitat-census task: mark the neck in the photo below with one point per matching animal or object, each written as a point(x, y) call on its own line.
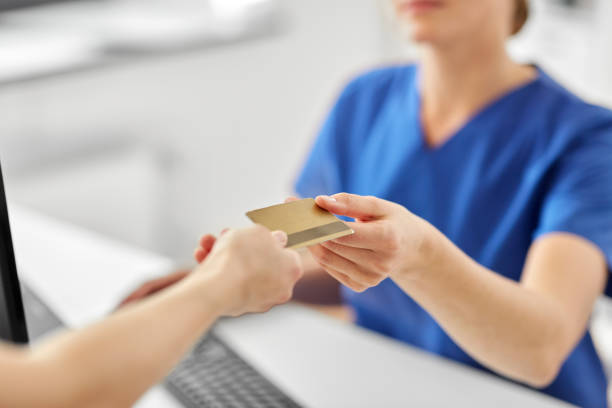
point(465, 77)
point(458, 80)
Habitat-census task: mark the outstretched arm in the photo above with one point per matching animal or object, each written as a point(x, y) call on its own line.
point(113, 362)
point(524, 330)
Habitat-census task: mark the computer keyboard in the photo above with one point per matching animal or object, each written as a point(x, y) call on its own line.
point(213, 376)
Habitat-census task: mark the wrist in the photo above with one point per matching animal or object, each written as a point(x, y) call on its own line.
point(217, 287)
point(425, 254)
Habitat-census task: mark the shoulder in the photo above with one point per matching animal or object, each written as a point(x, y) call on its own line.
point(376, 85)
point(568, 121)
point(365, 96)
point(571, 112)
point(382, 79)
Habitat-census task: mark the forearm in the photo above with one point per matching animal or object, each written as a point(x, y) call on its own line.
point(510, 329)
point(110, 364)
point(523, 330)
point(113, 362)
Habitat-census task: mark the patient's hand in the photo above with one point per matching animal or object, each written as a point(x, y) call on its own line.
point(207, 242)
point(251, 270)
point(153, 286)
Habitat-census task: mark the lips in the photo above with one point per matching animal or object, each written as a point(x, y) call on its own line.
point(418, 6)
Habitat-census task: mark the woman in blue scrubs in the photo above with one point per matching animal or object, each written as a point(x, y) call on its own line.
point(481, 193)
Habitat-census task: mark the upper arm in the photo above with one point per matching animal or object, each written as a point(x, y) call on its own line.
point(571, 255)
point(321, 172)
point(329, 165)
point(569, 271)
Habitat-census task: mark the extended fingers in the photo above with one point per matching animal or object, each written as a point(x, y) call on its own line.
point(207, 241)
point(374, 266)
point(367, 235)
point(359, 256)
point(354, 206)
point(345, 280)
point(199, 254)
point(329, 259)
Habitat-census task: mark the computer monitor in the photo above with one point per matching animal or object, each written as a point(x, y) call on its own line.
point(12, 316)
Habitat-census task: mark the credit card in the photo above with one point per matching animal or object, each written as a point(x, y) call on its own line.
point(304, 222)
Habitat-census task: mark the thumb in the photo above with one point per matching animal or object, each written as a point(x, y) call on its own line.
point(354, 206)
point(280, 237)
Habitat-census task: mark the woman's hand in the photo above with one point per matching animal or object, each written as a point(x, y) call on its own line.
point(251, 270)
point(388, 241)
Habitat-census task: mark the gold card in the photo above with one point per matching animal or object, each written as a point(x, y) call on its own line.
point(304, 222)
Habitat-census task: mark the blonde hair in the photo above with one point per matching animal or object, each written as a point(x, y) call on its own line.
point(521, 14)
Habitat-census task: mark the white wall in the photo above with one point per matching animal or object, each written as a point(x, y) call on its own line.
point(231, 125)
point(574, 44)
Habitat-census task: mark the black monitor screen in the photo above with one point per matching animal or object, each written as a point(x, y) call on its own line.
point(12, 319)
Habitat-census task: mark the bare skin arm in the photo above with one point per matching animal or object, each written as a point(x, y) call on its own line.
point(524, 330)
point(111, 363)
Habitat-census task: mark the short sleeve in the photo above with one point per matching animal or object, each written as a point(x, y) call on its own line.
point(579, 200)
point(325, 166)
point(330, 166)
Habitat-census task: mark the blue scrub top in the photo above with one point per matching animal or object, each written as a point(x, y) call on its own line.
point(536, 160)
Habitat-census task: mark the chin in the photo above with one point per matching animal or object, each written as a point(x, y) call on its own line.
point(422, 29)
point(422, 35)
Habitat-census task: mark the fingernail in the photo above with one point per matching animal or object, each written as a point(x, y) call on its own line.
point(329, 198)
point(280, 236)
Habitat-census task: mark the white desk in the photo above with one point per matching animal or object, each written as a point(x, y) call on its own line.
point(316, 360)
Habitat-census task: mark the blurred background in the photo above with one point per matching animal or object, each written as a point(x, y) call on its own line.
point(154, 121)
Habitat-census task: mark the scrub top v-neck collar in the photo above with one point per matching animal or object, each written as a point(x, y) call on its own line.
point(415, 102)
